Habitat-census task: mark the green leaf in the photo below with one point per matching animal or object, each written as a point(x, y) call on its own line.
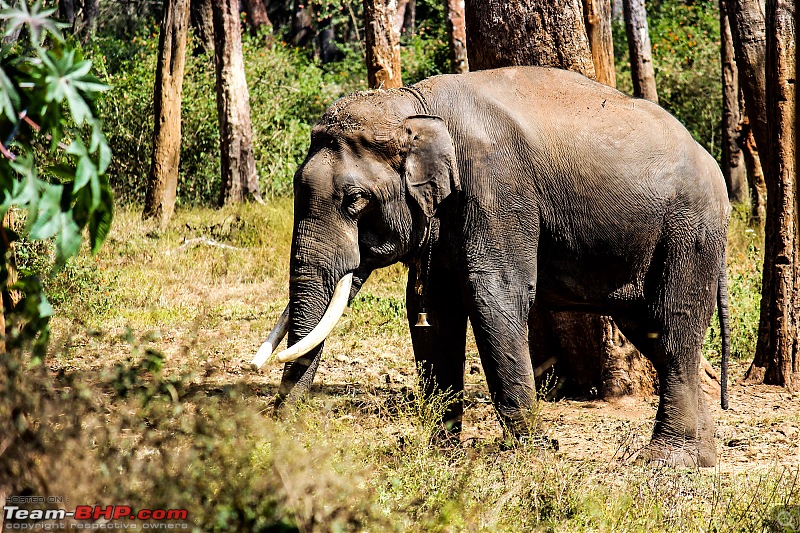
point(48, 213)
point(100, 223)
point(9, 98)
point(38, 21)
point(84, 173)
point(68, 239)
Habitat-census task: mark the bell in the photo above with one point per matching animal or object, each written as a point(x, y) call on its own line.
point(422, 320)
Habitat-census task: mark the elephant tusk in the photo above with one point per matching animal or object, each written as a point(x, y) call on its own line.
point(273, 340)
point(326, 324)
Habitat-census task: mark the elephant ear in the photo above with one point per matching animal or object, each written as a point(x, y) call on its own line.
point(431, 172)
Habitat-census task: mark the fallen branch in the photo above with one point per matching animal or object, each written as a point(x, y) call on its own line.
point(191, 243)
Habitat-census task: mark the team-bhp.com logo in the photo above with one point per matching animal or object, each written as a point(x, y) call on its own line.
point(93, 517)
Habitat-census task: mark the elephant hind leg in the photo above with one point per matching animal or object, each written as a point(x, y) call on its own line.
point(683, 430)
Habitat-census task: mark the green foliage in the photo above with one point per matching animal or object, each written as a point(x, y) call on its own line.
point(685, 46)
point(62, 187)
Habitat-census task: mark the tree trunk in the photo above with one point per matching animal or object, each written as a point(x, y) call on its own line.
point(733, 165)
point(748, 30)
point(162, 180)
point(588, 354)
point(90, 10)
point(755, 174)
point(257, 18)
point(66, 12)
point(503, 34)
point(597, 16)
point(642, 72)
point(777, 359)
point(383, 44)
point(202, 22)
point(457, 32)
point(404, 17)
point(237, 162)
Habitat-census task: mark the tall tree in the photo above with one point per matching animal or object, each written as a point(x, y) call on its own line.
point(589, 349)
point(777, 359)
point(597, 16)
point(405, 16)
point(642, 71)
point(502, 34)
point(383, 44)
point(748, 30)
point(457, 33)
point(202, 21)
point(733, 164)
point(237, 160)
point(162, 180)
point(257, 18)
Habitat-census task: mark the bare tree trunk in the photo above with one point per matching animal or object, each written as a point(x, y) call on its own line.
point(383, 44)
point(748, 30)
point(587, 353)
point(527, 33)
point(202, 22)
point(777, 359)
point(90, 11)
point(162, 180)
point(733, 165)
point(755, 174)
point(642, 72)
point(457, 31)
point(597, 16)
point(257, 18)
point(404, 17)
point(237, 162)
point(66, 11)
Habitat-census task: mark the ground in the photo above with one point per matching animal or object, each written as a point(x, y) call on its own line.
point(207, 291)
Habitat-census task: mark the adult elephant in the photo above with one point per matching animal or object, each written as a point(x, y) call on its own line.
point(503, 188)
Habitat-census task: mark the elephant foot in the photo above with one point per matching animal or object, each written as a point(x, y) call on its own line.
point(690, 454)
point(536, 440)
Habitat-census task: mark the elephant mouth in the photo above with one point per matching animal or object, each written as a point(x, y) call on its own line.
point(336, 306)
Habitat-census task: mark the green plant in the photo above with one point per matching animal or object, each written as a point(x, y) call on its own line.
point(49, 94)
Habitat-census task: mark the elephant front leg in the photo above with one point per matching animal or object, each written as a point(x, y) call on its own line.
point(499, 320)
point(439, 349)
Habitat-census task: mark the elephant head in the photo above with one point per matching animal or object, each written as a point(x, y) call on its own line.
point(375, 174)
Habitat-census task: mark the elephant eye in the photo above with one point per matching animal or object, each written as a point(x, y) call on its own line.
point(355, 202)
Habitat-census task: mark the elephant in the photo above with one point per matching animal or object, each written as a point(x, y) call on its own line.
point(501, 189)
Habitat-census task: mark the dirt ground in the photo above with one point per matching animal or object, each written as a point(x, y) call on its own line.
point(208, 309)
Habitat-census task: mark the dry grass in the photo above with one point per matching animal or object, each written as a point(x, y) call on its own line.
point(149, 401)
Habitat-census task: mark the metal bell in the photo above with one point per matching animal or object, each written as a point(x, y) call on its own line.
point(422, 320)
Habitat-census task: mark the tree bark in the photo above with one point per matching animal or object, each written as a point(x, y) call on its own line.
point(748, 30)
point(777, 359)
point(755, 174)
point(404, 17)
point(66, 11)
point(90, 10)
point(162, 180)
point(642, 71)
point(237, 161)
point(574, 353)
point(457, 32)
point(202, 22)
point(383, 44)
point(257, 18)
point(597, 16)
point(527, 33)
point(733, 165)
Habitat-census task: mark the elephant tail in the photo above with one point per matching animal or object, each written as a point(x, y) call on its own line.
point(725, 332)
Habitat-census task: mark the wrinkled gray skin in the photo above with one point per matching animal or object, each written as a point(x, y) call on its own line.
point(547, 187)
